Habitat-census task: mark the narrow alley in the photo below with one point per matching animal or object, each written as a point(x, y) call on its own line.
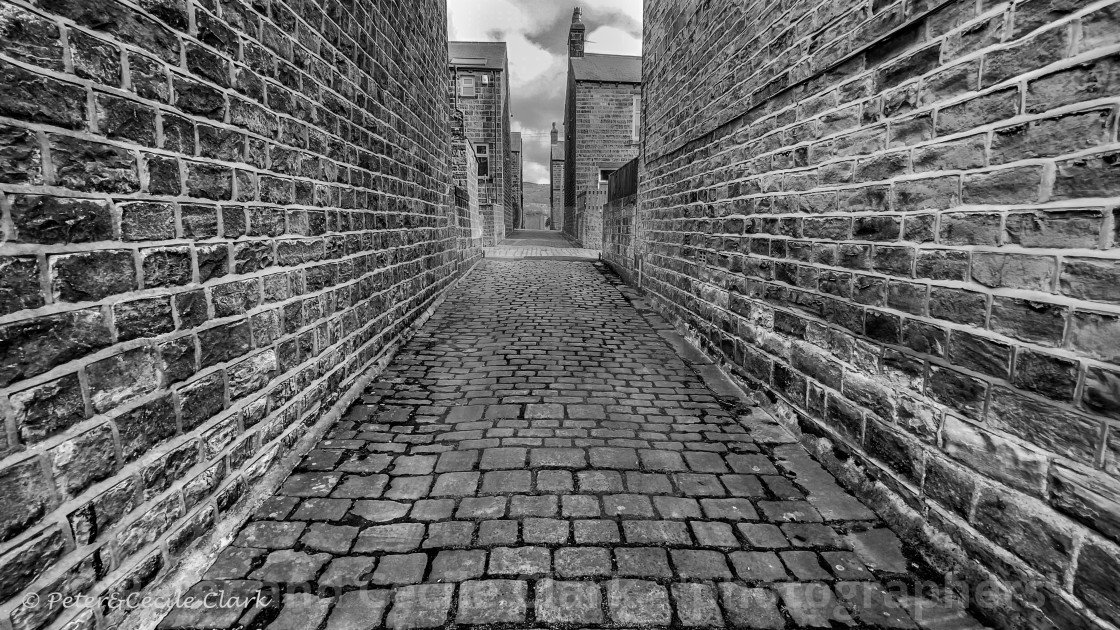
point(538, 454)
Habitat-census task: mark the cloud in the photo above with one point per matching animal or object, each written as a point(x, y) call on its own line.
point(536, 32)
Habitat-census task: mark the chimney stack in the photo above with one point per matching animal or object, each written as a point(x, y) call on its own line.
point(555, 134)
point(576, 33)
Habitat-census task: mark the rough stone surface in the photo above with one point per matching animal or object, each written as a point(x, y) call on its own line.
point(573, 530)
point(895, 222)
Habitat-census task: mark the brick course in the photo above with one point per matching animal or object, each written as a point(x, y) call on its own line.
point(900, 220)
point(216, 215)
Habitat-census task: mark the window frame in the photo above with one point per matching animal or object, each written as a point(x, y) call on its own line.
point(463, 87)
point(479, 156)
point(636, 121)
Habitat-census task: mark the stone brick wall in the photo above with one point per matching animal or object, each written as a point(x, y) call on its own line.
point(598, 131)
point(556, 181)
point(620, 242)
point(486, 118)
point(900, 219)
point(588, 231)
point(516, 196)
point(215, 214)
point(464, 175)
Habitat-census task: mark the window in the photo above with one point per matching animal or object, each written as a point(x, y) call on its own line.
point(636, 122)
point(604, 176)
point(482, 153)
point(466, 86)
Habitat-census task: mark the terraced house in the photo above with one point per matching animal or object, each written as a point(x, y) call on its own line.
point(480, 89)
point(602, 109)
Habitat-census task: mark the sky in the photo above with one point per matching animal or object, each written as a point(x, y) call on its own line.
point(536, 36)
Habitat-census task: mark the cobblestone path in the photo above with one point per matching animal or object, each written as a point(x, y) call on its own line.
point(539, 456)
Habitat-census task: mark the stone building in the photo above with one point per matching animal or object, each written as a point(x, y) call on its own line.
point(602, 106)
point(899, 221)
point(516, 165)
point(480, 89)
point(556, 181)
point(215, 222)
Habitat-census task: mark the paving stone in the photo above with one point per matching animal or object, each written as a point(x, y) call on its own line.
point(408, 488)
point(301, 611)
point(705, 462)
point(627, 506)
point(713, 534)
point(499, 458)
point(813, 535)
point(545, 410)
point(556, 481)
point(270, 535)
point(598, 481)
point(455, 484)
point(521, 561)
point(638, 603)
point(699, 564)
point(481, 507)
point(414, 465)
point(728, 509)
point(359, 610)
point(696, 605)
point(879, 549)
point(398, 537)
point(758, 566)
point(521, 506)
point(507, 482)
point(813, 604)
point(290, 567)
point(575, 603)
point(234, 563)
point(648, 483)
point(348, 571)
point(763, 535)
point(651, 562)
point(751, 464)
point(617, 458)
point(582, 562)
point(677, 507)
point(754, 608)
point(557, 458)
point(804, 565)
point(457, 461)
point(432, 509)
point(320, 509)
point(544, 531)
point(656, 532)
point(743, 486)
point(497, 532)
point(400, 569)
point(317, 484)
point(449, 534)
point(845, 565)
point(873, 605)
point(422, 606)
point(578, 505)
point(380, 511)
point(335, 539)
point(492, 601)
point(458, 565)
point(667, 461)
point(275, 508)
point(595, 531)
point(700, 485)
point(361, 487)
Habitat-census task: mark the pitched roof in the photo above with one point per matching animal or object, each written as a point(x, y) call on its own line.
point(515, 141)
point(490, 55)
point(607, 68)
point(558, 151)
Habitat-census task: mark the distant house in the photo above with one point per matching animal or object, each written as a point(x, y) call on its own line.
point(518, 189)
point(480, 89)
point(556, 182)
point(602, 110)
